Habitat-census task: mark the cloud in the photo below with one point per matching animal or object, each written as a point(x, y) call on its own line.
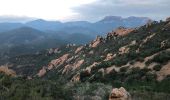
point(156, 9)
point(14, 19)
point(45, 9)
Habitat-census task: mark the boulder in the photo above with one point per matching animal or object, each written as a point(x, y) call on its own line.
point(119, 94)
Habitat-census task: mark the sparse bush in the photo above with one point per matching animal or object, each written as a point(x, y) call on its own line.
point(162, 57)
point(157, 67)
point(140, 59)
point(123, 69)
point(104, 64)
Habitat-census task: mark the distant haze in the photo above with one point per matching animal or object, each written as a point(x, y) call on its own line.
point(90, 10)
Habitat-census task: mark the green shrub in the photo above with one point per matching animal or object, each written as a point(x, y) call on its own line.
point(123, 69)
point(157, 67)
point(162, 57)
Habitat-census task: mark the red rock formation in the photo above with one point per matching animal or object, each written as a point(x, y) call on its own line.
point(119, 94)
point(96, 42)
point(109, 56)
point(42, 72)
point(72, 67)
point(58, 62)
point(123, 31)
point(78, 49)
point(7, 71)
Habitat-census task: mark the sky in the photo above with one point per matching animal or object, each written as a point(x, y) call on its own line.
point(90, 10)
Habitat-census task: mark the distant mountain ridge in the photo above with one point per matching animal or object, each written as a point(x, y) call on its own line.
point(40, 34)
point(25, 40)
point(108, 23)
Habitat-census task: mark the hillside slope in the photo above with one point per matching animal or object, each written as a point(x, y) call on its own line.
point(137, 59)
point(144, 48)
point(26, 40)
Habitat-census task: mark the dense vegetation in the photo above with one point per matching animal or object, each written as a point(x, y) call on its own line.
point(60, 89)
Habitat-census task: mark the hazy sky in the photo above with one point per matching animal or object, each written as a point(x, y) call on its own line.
point(91, 10)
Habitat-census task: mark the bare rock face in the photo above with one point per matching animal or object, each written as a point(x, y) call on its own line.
point(165, 71)
point(123, 50)
point(4, 69)
point(78, 64)
point(109, 56)
point(72, 67)
point(54, 63)
point(67, 68)
point(89, 68)
point(78, 49)
point(42, 72)
point(58, 62)
point(123, 31)
point(119, 94)
point(96, 42)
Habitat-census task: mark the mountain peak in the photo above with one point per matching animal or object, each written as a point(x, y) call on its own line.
point(111, 18)
point(42, 21)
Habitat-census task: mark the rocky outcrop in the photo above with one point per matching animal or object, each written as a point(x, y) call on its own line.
point(123, 50)
point(78, 49)
point(54, 63)
point(123, 31)
point(42, 72)
point(58, 62)
point(119, 94)
point(165, 70)
point(109, 56)
point(96, 42)
point(4, 69)
point(72, 67)
point(88, 69)
point(78, 64)
point(164, 43)
point(76, 78)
